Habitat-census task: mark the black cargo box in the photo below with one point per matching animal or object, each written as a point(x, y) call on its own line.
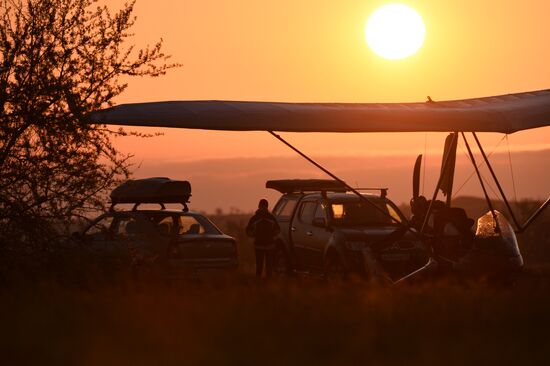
point(152, 190)
point(305, 185)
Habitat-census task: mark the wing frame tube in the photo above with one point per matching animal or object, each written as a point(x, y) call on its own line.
point(502, 113)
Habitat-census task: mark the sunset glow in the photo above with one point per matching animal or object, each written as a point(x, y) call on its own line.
point(320, 54)
point(395, 31)
point(244, 182)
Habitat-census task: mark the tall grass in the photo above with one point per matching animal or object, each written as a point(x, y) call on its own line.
point(239, 321)
point(68, 315)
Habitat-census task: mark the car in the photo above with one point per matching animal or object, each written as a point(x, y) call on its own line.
point(174, 241)
point(326, 230)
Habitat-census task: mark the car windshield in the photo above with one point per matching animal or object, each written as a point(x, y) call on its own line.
point(363, 214)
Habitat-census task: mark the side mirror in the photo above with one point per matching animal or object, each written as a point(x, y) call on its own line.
point(319, 222)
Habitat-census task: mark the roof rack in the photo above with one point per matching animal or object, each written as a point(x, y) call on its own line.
point(305, 185)
point(286, 186)
point(383, 191)
point(159, 190)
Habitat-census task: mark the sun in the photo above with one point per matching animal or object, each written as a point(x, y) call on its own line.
point(395, 31)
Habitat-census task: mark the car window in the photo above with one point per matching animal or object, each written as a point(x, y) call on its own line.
point(337, 211)
point(164, 223)
point(320, 212)
point(165, 226)
point(279, 206)
point(128, 228)
point(100, 229)
point(393, 213)
point(286, 208)
point(307, 210)
point(359, 213)
point(188, 225)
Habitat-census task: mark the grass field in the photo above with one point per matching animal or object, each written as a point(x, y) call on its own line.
point(235, 320)
point(239, 321)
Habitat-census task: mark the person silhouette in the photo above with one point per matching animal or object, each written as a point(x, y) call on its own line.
point(263, 227)
point(419, 207)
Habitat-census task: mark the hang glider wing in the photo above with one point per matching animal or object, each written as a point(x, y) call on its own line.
point(505, 113)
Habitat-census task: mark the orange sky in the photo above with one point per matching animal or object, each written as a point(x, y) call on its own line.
point(315, 51)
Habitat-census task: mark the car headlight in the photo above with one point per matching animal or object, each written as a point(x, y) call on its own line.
point(355, 245)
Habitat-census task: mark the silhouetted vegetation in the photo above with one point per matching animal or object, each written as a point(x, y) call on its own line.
point(59, 61)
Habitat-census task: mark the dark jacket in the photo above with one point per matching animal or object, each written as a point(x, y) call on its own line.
point(263, 227)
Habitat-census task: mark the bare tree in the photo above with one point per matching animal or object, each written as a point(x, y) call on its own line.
point(60, 60)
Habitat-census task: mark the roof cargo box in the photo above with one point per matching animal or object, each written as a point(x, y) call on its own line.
point(305, 185)
point(152, 190)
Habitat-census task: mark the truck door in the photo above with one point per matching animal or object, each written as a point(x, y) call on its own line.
point(283, 213)
point(309, 240)
point(319, 237)
point(301, 232)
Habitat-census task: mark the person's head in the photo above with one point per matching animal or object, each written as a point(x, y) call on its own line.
point(263, 204)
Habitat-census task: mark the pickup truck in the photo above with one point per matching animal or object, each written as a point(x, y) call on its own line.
point(325, 229)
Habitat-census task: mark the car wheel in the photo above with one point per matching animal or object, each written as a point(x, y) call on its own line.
point(334, 268)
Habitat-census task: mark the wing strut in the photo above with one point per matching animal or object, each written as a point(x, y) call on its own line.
point(350, 188)
point(491, 208)
point(519, 228)
point(534, 216)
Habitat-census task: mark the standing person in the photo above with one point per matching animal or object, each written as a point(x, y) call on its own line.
point(263, 228)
